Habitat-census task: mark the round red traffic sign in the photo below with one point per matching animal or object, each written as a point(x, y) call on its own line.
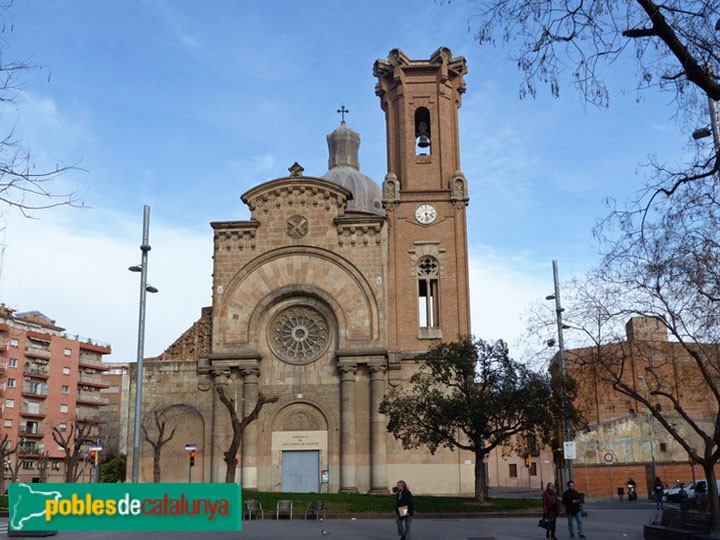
point(608, 457)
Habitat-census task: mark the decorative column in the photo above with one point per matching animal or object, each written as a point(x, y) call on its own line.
point(348, 453)
point(249, 445)
point(378, 450)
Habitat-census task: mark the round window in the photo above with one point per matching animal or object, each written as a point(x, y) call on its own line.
point(299, 335)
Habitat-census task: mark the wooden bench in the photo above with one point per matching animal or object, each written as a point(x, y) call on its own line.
point(677, 525)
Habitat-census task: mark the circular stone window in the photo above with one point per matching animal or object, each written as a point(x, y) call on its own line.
point(299, 335)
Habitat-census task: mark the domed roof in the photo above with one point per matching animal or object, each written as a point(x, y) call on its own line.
point(343, 145)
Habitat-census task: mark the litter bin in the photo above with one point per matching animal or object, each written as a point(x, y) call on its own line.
point(621, 493)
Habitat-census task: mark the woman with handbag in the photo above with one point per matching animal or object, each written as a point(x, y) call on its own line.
point(551, 510)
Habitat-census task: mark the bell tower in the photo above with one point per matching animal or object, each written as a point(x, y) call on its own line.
point(425, 195)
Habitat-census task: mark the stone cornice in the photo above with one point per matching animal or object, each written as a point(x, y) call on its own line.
point(359, 230)
point(296, 192)
point(234, 234)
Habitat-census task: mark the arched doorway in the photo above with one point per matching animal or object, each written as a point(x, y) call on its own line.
point(300, 448)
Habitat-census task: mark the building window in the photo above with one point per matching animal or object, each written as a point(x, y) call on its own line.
point(428, 291)
point(533, 468)
point(55, 465)
point(10, 403)
point(12, 362)
point(512, 470)
point(62, 426)
point(67, 352)
point(8, 422)
point(63, 408)
point(66, 371)
point(663, 447)
point(14, 342)
point(11, 383)
point(28, 465)
point(65, 389)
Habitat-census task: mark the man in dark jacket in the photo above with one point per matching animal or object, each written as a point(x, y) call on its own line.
point(403, 510)
point(573, 504)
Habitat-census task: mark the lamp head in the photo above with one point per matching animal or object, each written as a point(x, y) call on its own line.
point(136, 268)
point(701, 133)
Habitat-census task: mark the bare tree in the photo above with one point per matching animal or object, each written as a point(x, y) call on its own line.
point(678, 380)
point(23, 185)
point(673, 42)
point(238, 425)
point(6, 451)
point(675, 46)
point(77, 435)
point(155, 428)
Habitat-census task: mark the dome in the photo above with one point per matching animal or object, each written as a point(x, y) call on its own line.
point(343, 145)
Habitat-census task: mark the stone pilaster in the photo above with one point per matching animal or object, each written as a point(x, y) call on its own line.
point(348, 454)
point(250, 437)
point(378, 449)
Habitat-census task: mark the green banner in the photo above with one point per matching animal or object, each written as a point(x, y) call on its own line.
point(125, 507)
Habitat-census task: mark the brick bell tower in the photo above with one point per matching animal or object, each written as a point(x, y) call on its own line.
point(425, 195)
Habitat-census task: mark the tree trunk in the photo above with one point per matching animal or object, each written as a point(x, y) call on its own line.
point(480, 480)
point(156, 464)
point(712, 492)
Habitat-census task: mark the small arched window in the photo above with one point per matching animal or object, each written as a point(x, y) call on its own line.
point(422, 132)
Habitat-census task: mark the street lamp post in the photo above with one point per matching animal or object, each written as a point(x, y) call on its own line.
point(713, 128)
point(566, 473)
point(144, 288)
point(652, 429)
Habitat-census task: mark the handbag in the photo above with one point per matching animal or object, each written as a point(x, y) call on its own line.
point(544, 523)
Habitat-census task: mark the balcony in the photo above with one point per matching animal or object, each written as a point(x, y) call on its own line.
point(32, 432)
point(36, 372)
point(91, 379)
point(35, 390)
point(4, 345)
point(91, 398)
point(37, 352)
point(34, 412)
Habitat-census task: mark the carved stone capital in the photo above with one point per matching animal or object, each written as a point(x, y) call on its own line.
point(347, 372)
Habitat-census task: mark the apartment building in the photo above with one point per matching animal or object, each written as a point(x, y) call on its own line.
point(50, 381)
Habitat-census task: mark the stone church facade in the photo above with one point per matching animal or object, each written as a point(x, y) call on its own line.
point(324, 298)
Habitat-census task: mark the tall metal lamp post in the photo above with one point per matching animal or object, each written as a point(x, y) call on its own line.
point(144, 288)
point(713, 128)
point(566, 473)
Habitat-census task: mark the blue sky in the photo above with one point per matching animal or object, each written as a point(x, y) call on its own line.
point(185, 105)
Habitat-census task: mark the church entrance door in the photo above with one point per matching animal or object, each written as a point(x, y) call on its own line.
point(301, 471)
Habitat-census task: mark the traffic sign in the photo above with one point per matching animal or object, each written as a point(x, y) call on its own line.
point(608, 457)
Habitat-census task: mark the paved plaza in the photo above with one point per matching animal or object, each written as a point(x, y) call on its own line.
point(605, 521)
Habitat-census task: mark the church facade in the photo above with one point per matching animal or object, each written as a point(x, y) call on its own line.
point(324, 298)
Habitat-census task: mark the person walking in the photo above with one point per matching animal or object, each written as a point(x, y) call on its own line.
point(551, 509)
point(573, 505)
point(403, 510)
point(659, 491)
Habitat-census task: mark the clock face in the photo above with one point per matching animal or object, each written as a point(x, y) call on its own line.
point(425, 214)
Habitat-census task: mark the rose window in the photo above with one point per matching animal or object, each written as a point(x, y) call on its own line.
point(299, 335)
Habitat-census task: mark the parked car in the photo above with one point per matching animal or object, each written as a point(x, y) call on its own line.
point(671, 494)
point(692, 488)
